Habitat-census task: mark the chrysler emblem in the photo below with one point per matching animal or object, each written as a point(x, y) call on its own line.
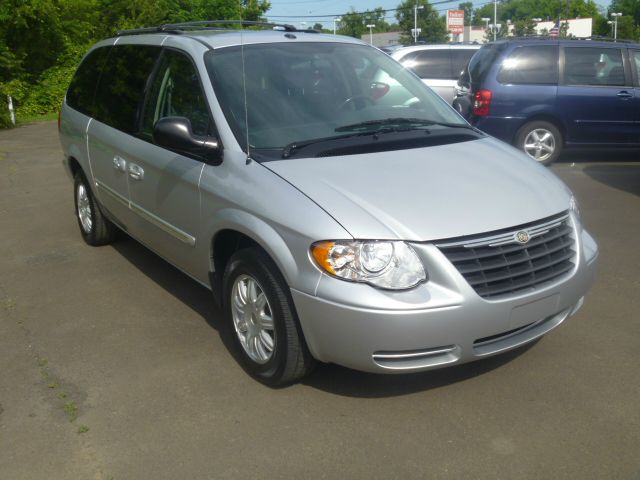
point(522, 237)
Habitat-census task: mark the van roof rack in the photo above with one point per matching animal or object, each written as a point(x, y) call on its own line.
point(207, 25)
point(595, 38)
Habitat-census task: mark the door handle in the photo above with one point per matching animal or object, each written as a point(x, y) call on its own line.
point(624, 94)
point(119, 163)
point(136, 172)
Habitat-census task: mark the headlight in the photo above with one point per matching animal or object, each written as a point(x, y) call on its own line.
point(392, 265)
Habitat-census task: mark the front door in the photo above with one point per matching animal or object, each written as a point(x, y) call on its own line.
point(163, 185)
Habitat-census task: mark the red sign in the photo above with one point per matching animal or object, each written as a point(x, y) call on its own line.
point(455, 21)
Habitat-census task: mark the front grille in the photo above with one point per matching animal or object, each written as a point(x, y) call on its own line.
point(496, 264)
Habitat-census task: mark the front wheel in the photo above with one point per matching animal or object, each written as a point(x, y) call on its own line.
point(541, 140)
point(262, 321)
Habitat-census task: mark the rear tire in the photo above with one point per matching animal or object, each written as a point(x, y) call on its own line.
point(94, 227)
point(262, 322)
point(540, 140)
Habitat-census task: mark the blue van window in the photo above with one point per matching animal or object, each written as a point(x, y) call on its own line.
point(636, 61)
point(537, 65)
point(594, 66)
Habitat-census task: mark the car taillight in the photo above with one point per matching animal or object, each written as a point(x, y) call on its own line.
point(482, 103)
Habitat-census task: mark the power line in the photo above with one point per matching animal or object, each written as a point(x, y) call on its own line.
point(384, 10)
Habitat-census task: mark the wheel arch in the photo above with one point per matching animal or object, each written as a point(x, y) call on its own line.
point(237, 230)
point(542, 117)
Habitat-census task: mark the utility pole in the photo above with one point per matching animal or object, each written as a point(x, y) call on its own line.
point(615, 25)
point(416, 7)
point(335, 21)
point(371, 26)
point(495, 19)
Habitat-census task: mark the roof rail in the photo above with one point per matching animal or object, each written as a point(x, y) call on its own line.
point(207, 25)
point(549, 37)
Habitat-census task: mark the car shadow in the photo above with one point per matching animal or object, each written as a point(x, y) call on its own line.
point(622, 177)
point(326, 377)
point(172, 280)
point(346, 382)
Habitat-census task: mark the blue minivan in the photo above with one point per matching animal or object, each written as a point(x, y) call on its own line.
point(544, 95)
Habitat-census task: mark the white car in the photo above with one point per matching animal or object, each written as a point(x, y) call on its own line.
point(439, 66)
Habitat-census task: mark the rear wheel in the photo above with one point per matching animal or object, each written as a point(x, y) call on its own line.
point(94, 227)
point(262, 321)
point(541, 140)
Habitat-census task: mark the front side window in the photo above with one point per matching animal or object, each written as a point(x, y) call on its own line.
point(122, 85)
point(305, 91)
point(176, 92)
point(535, 65)
point(593, 66)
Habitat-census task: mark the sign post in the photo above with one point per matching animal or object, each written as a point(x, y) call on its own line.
point(455, 22)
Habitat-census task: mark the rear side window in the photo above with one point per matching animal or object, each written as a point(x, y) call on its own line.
point(459, 60)
point(83, 85)
point(122, 85)
point(535, 65)
point(432, 64)
point(593, 66)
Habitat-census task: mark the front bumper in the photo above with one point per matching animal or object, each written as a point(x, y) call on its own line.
point(442, 322)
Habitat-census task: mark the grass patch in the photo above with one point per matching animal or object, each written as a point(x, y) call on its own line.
point(8, 303)
point(62, 395)
point(83, 429)
point(27, 119)
point(71, 409)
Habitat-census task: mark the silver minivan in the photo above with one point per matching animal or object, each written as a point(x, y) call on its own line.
point(335, 218)
point(438, 66)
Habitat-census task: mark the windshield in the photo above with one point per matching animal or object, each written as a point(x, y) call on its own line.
point(300, 92)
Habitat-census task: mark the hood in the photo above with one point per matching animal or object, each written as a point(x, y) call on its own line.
point(429, 193)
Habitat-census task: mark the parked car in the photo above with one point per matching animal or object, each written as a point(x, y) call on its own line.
point(545, 95)
point(439, 66)
point(331, 221)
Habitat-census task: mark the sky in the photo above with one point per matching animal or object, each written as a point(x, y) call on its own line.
point(322, 11)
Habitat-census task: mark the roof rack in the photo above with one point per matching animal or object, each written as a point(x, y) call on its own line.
point(207, 25)
point(549, 37)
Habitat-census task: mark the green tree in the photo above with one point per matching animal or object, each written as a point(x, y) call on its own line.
point(468, 11)
point(433, 26)
point(628, 8)
point(522, 28)
point(42, 41)
point(354, 23)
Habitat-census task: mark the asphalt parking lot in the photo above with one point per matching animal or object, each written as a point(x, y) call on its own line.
point(112, 367)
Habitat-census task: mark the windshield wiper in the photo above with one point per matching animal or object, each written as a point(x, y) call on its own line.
point(290, 149)
point(386, 125)
point(395, 124)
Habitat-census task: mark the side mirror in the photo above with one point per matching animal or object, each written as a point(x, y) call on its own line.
point(175, 133)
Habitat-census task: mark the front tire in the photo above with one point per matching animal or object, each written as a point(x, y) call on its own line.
point(94, 227)
point(541, 141)
point(262, 321)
